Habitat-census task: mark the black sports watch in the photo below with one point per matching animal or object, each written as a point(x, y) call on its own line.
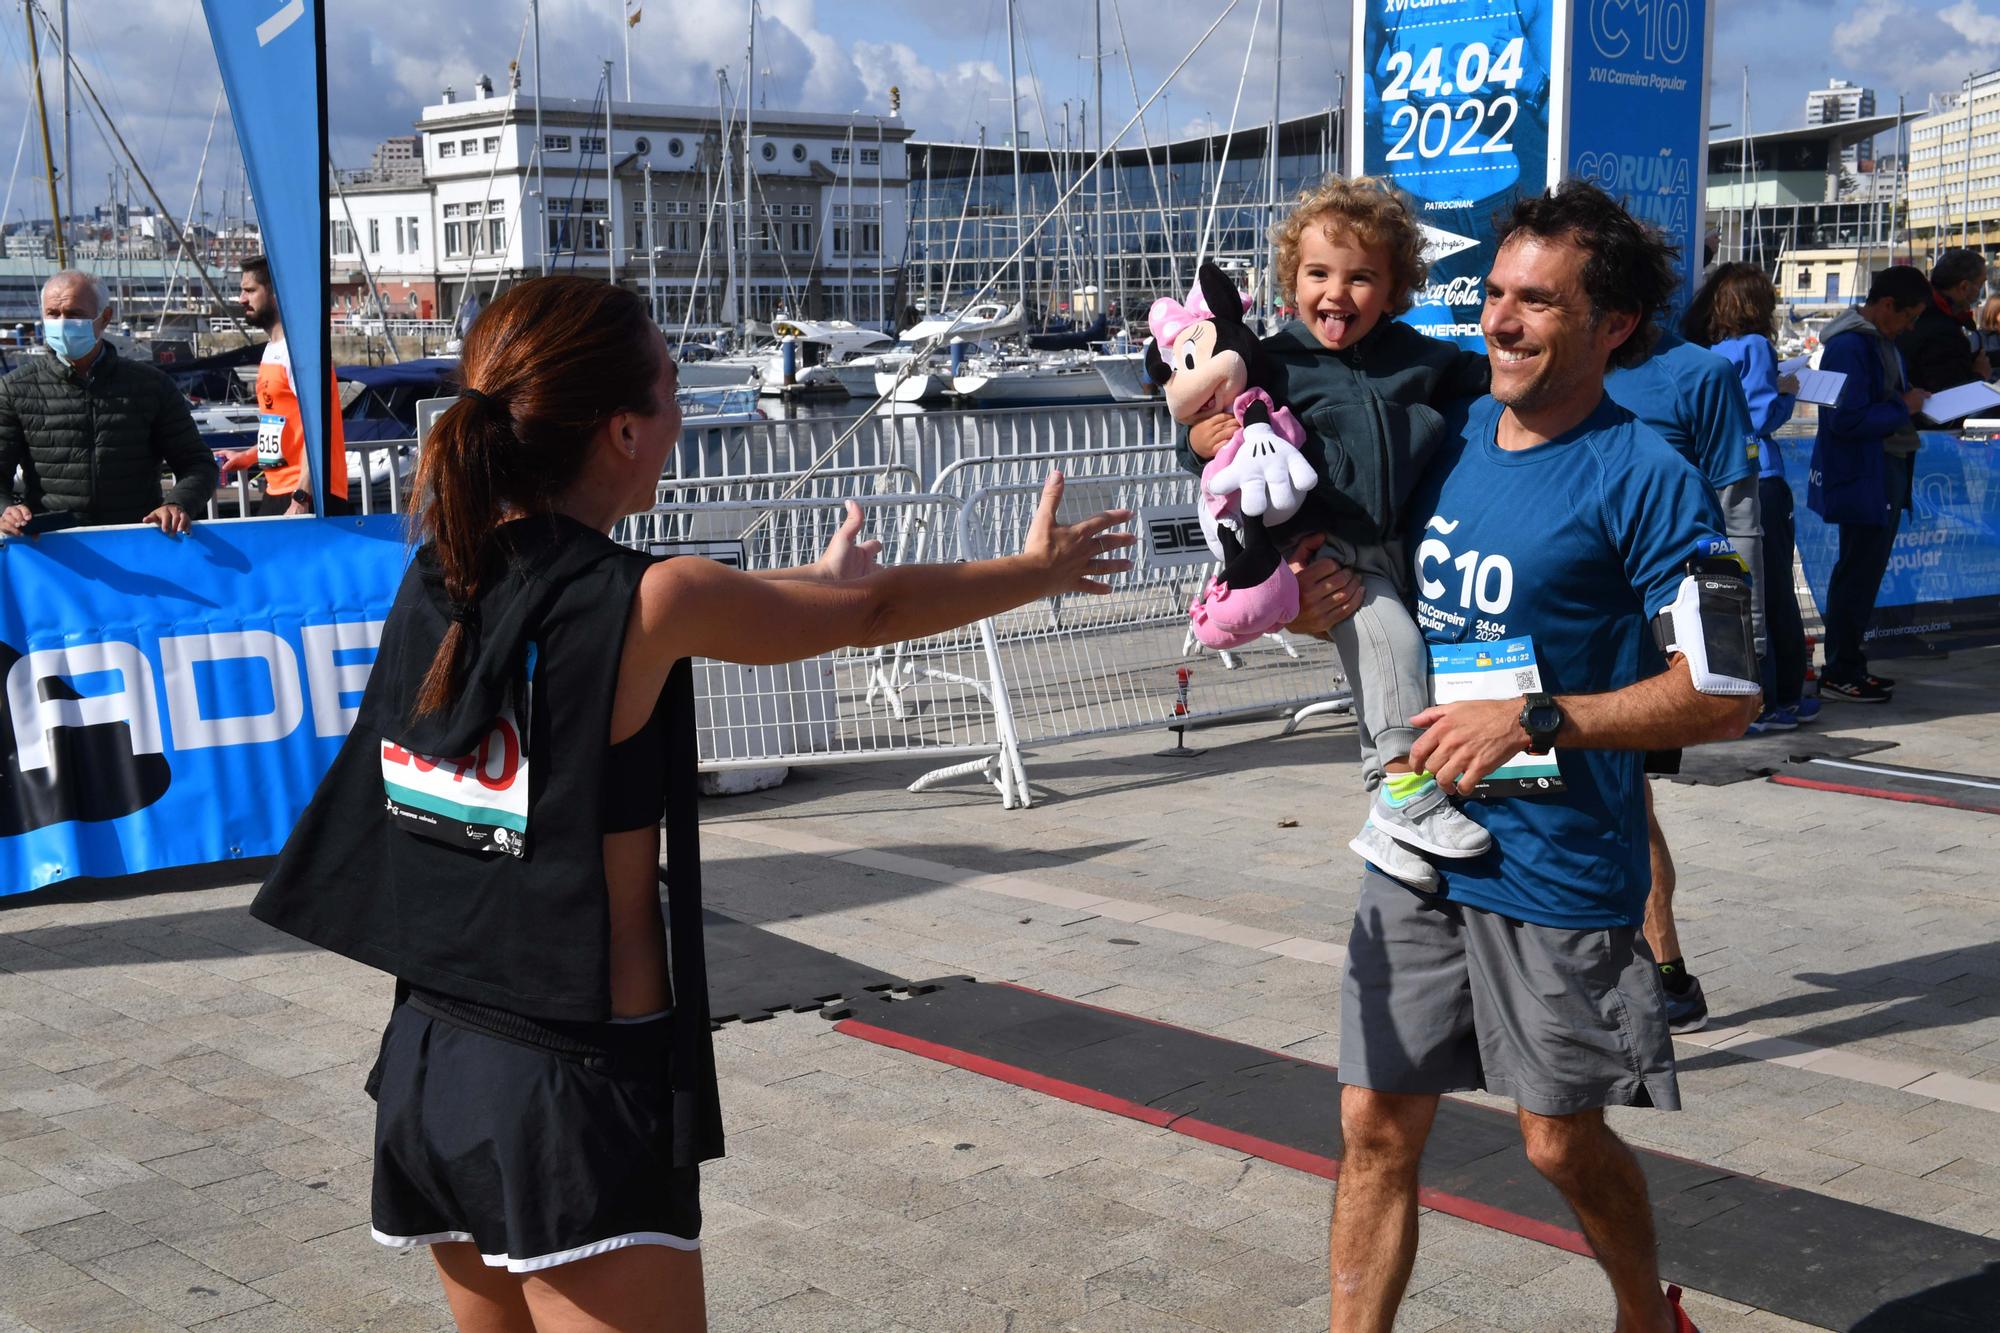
point(1541, 718)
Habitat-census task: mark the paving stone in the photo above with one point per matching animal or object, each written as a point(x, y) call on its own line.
point(43, 1206)
point(170, 1283)
point(93, 1307)
point(88, 1237)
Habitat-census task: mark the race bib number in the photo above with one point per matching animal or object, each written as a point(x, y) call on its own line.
point(478, 800)
point(270, 439)
point(1503, 670)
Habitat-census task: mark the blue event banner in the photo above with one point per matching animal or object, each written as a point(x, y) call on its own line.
point(1637, 115)
point(1455, 103)
point(1943, 580)
point(172, 701)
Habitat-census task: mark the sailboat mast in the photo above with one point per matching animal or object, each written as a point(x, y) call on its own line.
point(1014, 120)
point(48, 150)
point(1097, 173)
point(749, 188)
point(1270, 283)
point(610, 186)
point(541, 186)
point(69, 150)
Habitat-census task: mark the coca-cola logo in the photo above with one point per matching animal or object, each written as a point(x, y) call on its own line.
point(1459, 291)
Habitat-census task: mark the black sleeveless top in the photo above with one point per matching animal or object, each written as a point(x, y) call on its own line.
point(528, 932)
point(635, 774)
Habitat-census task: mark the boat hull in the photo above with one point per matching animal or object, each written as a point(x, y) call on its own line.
point(1124, 377)
point(1070, 386)
point(722, 374)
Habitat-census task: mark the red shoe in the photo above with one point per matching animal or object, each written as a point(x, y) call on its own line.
point(1682, 1324)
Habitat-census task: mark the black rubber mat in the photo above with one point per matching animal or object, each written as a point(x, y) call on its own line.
point(1802, 1255)
point(1893, 782)
point(754, 973)
point(1751, 757)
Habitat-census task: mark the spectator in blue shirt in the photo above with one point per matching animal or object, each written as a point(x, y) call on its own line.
point(1734, 313)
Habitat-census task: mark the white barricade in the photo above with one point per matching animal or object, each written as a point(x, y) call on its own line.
point(389, 466)
point(925, 698)
point(1084, 665)
point(925, 442)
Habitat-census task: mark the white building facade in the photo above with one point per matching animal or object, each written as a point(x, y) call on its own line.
point(1954, 171)
point(828, 200)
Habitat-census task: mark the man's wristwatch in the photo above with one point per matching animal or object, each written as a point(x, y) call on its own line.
point(1541, 718)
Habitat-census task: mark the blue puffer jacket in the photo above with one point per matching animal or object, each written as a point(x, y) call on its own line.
point(1847, 484)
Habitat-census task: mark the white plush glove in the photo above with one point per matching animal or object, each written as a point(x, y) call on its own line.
point(1268, 474)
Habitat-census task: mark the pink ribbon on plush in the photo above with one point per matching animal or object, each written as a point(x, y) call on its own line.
point(1283, 423)
point(1169, 318)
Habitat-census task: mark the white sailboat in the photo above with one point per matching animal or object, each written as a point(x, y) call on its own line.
point(1062, 378)
point(1124, 376)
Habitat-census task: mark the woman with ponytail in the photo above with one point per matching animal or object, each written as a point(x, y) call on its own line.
point(490, 833)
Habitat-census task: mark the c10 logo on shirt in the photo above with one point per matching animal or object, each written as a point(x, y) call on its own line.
point(1485, 580)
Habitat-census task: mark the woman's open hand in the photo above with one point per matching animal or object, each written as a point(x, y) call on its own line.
point(1073, 554)
point(845, 558)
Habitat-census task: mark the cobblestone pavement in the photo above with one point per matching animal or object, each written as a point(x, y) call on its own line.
point(184, 1141)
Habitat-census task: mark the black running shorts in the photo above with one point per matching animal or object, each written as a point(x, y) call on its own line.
point(539, 1143)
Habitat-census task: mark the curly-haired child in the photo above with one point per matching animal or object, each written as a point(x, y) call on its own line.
point(1370, 392)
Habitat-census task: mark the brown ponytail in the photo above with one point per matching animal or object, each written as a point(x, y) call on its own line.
point(544, 366)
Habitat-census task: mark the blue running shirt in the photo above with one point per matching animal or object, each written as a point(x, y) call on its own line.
point(1694, 399)
point(1577, 543)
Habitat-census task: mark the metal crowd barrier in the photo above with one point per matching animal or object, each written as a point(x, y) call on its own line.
point(1093, 665)
point(925, 698)
point(925, 442)
point(388, 465)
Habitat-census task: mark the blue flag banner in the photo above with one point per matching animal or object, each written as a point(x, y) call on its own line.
point(272, 54)
point(1468, 105)
point(1637, 122)
point(1943, 582)
point(1454, 104)
point(172, 702)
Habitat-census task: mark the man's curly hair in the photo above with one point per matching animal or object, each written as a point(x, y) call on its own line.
point(1628, 266)
point(1370, 211)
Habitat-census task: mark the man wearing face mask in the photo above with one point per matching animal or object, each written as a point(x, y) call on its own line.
point(88, 431)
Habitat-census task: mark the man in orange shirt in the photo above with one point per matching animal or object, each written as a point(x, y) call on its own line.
point(281, 435)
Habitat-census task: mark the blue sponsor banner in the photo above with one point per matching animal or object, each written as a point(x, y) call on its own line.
point(1456, 100)
point(272, 58)
point(1943, 580)
point(175, 701)
point(1637, 122)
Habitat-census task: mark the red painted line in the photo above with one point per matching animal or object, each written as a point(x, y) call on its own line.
point(1299, 1159)
point(1880, 793)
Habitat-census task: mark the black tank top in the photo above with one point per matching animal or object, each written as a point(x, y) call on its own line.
point(635, 775)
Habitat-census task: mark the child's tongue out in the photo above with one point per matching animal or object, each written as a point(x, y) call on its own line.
point(1333, 325)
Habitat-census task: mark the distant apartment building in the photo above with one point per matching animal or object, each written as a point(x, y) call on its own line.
point(1838, 101)
point(1954, 170)
point(30, 245)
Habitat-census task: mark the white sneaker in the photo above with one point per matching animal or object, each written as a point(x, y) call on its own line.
point(1393, 859)
point(1430, 823)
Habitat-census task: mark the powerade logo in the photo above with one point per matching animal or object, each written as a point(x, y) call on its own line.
point(86, 729)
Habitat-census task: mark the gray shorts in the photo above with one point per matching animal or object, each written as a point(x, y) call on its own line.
point(1444, 997)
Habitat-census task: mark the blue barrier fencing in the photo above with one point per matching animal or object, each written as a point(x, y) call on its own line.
point(1943, 583)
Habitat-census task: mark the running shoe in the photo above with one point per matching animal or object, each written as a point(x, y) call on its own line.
point(1393, 859)
point(1688, 1011)
point(1773, 719)
point(1863, 691)
point(1880, 682)
point(1428, 822)
point(1682, 1324)
point(1807, 708)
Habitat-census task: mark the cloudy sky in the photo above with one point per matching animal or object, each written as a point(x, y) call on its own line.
point(152, 63)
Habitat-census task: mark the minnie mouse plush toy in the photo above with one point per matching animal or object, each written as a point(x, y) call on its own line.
point(1205, 358)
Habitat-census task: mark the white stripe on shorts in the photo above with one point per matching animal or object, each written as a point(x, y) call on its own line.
point(540, 1261)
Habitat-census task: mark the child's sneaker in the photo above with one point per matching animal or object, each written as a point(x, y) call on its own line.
point(1413, 809)
point(1393, 859)
point(1807, 708)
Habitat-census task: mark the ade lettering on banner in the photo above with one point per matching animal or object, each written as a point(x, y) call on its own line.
point(1468, 105)
point(168, 703)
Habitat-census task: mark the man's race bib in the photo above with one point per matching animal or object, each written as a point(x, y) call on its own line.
point(270, 439)
point(479, 800)
point(1502, 670)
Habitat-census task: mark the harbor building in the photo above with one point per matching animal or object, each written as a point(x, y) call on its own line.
point(964, 222)
point(627, 191)
point(1954, 170)
point(1839, 101)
